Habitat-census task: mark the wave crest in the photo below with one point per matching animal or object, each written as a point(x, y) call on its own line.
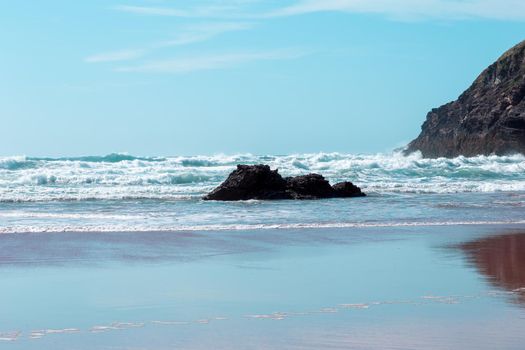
point(116, 175)
point(243, 227)
point(109, 158)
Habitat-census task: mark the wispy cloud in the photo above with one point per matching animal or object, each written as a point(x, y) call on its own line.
point(122, 55)
point(223, 16)
point(412, 9)
point(188, 35)
point(155, 11)
point(203, 31)
point(207, 9)
point(394, 9)
point(212, 62)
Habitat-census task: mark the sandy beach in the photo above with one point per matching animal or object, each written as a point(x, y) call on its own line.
point(438, 287)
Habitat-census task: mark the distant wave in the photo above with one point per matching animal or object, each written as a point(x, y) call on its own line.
point(110, 158)
point(23, 162)
point(15, 163)
point(122, 176)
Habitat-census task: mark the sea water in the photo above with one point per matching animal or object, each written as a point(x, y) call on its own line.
point(120, 252)
point(120, 192)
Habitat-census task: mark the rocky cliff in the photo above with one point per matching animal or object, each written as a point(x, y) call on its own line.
point(488, 118)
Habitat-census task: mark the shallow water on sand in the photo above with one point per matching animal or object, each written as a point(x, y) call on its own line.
point(427, 287)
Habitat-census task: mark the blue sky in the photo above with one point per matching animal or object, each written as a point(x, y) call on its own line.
point(154, 77)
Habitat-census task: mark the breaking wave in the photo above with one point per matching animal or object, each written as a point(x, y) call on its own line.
point(121, 176)
point(110, 158)
point(54, 228)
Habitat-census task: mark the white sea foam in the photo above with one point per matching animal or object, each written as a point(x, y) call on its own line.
point(116, 326)
point(355, 306)
point(61, 331)
point(46, 215)
point(115, 177)
point(56, 228)
point(170, 323)
point(121, 192)
point(274, 316)
point(10, 336)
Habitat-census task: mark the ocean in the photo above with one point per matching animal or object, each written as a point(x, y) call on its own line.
point(120, 192)
point(120, 253)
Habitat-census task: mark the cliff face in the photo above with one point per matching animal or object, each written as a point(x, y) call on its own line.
point(488, 118)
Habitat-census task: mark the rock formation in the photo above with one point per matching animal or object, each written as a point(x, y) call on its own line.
point(260, 182)
point(488, 118)
point(347, 189)
point(309, 186)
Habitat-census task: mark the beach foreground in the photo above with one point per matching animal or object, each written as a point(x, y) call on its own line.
point(424, 287)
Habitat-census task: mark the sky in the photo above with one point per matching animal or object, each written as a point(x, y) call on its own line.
point(168, 77)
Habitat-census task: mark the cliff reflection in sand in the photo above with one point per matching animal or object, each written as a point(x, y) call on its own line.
point(502, 260)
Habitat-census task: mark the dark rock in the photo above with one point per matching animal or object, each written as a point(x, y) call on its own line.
point(488, 118)
point(309, 186)
point(251, 182)
point(260, 182)
point(347, 189)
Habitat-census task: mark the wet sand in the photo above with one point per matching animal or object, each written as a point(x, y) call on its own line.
point(451, 287)
point(501, 259)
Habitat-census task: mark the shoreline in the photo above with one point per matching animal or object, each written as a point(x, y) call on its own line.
point(259, 227)
point(35, 248)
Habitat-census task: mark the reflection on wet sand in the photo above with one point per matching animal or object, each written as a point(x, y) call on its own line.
point(501, 259)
